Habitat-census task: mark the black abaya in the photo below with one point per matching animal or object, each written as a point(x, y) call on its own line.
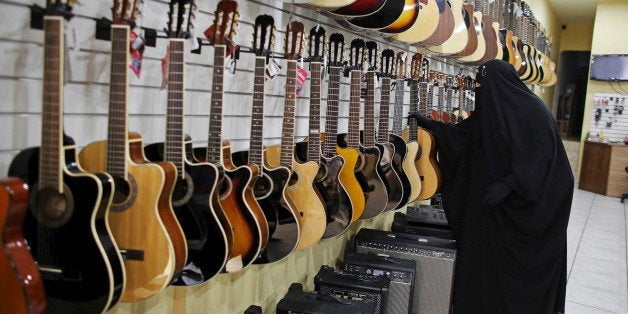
point(513, 254)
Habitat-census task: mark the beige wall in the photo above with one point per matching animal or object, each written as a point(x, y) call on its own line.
point(609, 37)
point(576, 37)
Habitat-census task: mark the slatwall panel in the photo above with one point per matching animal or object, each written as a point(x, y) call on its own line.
point(86, 92)
point(612, 124)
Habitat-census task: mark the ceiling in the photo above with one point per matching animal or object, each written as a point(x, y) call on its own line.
point(574, 11)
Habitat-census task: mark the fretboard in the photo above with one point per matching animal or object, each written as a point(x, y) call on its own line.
point(215, 113)
point(439, 98)
point(117, 132)
point(175, 137)
point(51, 152)
point(331, 117)
point(287, 131)
point(448, 100)
point(398, 115)
point(414, 107)
point(353, 134)
point(425, 92)
point(256, 148)
point(384, 111)
point(369, 111)
point(314, 142)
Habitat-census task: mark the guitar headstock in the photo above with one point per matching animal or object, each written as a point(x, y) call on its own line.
point(356, 54)
point(60, 7)
point(225, 22)
point(400, 65)
point(336, 49)
point(263, 35)
point(295, 40)
point(425, 69)
point(388, 63)
point(450, 81)
point(416, 65)
point(470, 82)
point(461, 81)
point(371, 55)
point(440, 78)
point(125, 11)
point(317, 41)
point(181, 18)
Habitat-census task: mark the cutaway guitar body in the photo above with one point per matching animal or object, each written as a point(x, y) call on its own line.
point(392, 181)
point(135, 220)
point(424, 26)
point(426, 164)
point(349, 179)
point(406, 19)
point(523, 58)
point(446, 24)
point(481, 48)
point(409, 167)
point(470, 29)
point(460, 35)
point(22, 287)
point(398, 146)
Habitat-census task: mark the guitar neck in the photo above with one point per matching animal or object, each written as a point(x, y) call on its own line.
point(117, 133)
point(314, 142)
point(414, 107)
point(331, 121)
point(214, 145)
point(369, 111)
point(398, 114)
point(256, 148)
point(384, 111)
point(51, 153)
point(287, 133)
point(353, 134)
point(174, 148)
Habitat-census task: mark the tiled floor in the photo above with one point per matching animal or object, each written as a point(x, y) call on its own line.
point(597, 260)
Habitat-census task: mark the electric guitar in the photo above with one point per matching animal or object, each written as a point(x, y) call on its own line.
point(391, 142)
point(196, 181)
point(412, 147)
point(287, 174)
point(22, 287)
point(426, 163)
point(244, 221)
point(65, 225)
point(338, 210)
point(351, 155)
point(368, 171)
point(305, 198)
point(143, 189)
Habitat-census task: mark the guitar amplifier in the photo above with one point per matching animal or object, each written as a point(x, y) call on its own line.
point(299, 301)
point(427, 214)
point(353, 286)
point(435, 260)
point(401, 224)
point(400, 271)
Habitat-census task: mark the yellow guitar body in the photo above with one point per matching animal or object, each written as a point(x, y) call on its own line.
point(411, 171)
point(458, 40)
point(426, 164)
point(424, 26)
point(303, 198)
point(136, 225)
point(479, 52)
point(350, 182)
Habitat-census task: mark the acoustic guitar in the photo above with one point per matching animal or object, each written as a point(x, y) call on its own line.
point(196, 181)
point(518, 36)
point(22, 287)
point(406, 18)
point(331, 3)
point(141, 205)
point(303, 193)
point(243, 220)
point(383, 18)
point(412, 147)
point(351, 155)
point(481, 48)
point(460, 113)
point(435, 112)
point(493, 7)
point(460, 32)
point(359, 8)
point(489, 32)
point(446, 24)
point(424, 25)
point(426, 163)
point(338, 210)
point(368, 171)
point(392, 142)
point(471, 30)
point(65, 225)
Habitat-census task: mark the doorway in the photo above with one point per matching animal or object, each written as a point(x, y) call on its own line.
point(571, 90)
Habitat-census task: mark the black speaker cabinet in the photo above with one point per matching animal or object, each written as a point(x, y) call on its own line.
point(400, 271)
point(435, 260)
point(402, 224)
point(353, 286)
point(297, 301)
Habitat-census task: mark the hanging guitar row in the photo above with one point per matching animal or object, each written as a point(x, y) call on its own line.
point(120, 221)
point(470, 31)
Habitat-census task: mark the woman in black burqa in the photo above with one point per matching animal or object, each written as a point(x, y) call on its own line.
point(507, 193)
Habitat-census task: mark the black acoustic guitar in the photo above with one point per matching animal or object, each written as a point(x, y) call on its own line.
point(196, 182)
point(66, 225)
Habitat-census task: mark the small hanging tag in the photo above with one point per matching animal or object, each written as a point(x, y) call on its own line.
point(193, 42)
point(272, 69)
point(231, 66)
point(404, 56)
point(137, 53)
point(164, 69)
point(302, 75)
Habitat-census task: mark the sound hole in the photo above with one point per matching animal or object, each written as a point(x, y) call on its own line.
point(183, 190)
point(51, 208)
point(124, 194)
point(263, 186)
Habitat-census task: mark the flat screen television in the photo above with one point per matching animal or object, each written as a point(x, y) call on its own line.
point(609, 67)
